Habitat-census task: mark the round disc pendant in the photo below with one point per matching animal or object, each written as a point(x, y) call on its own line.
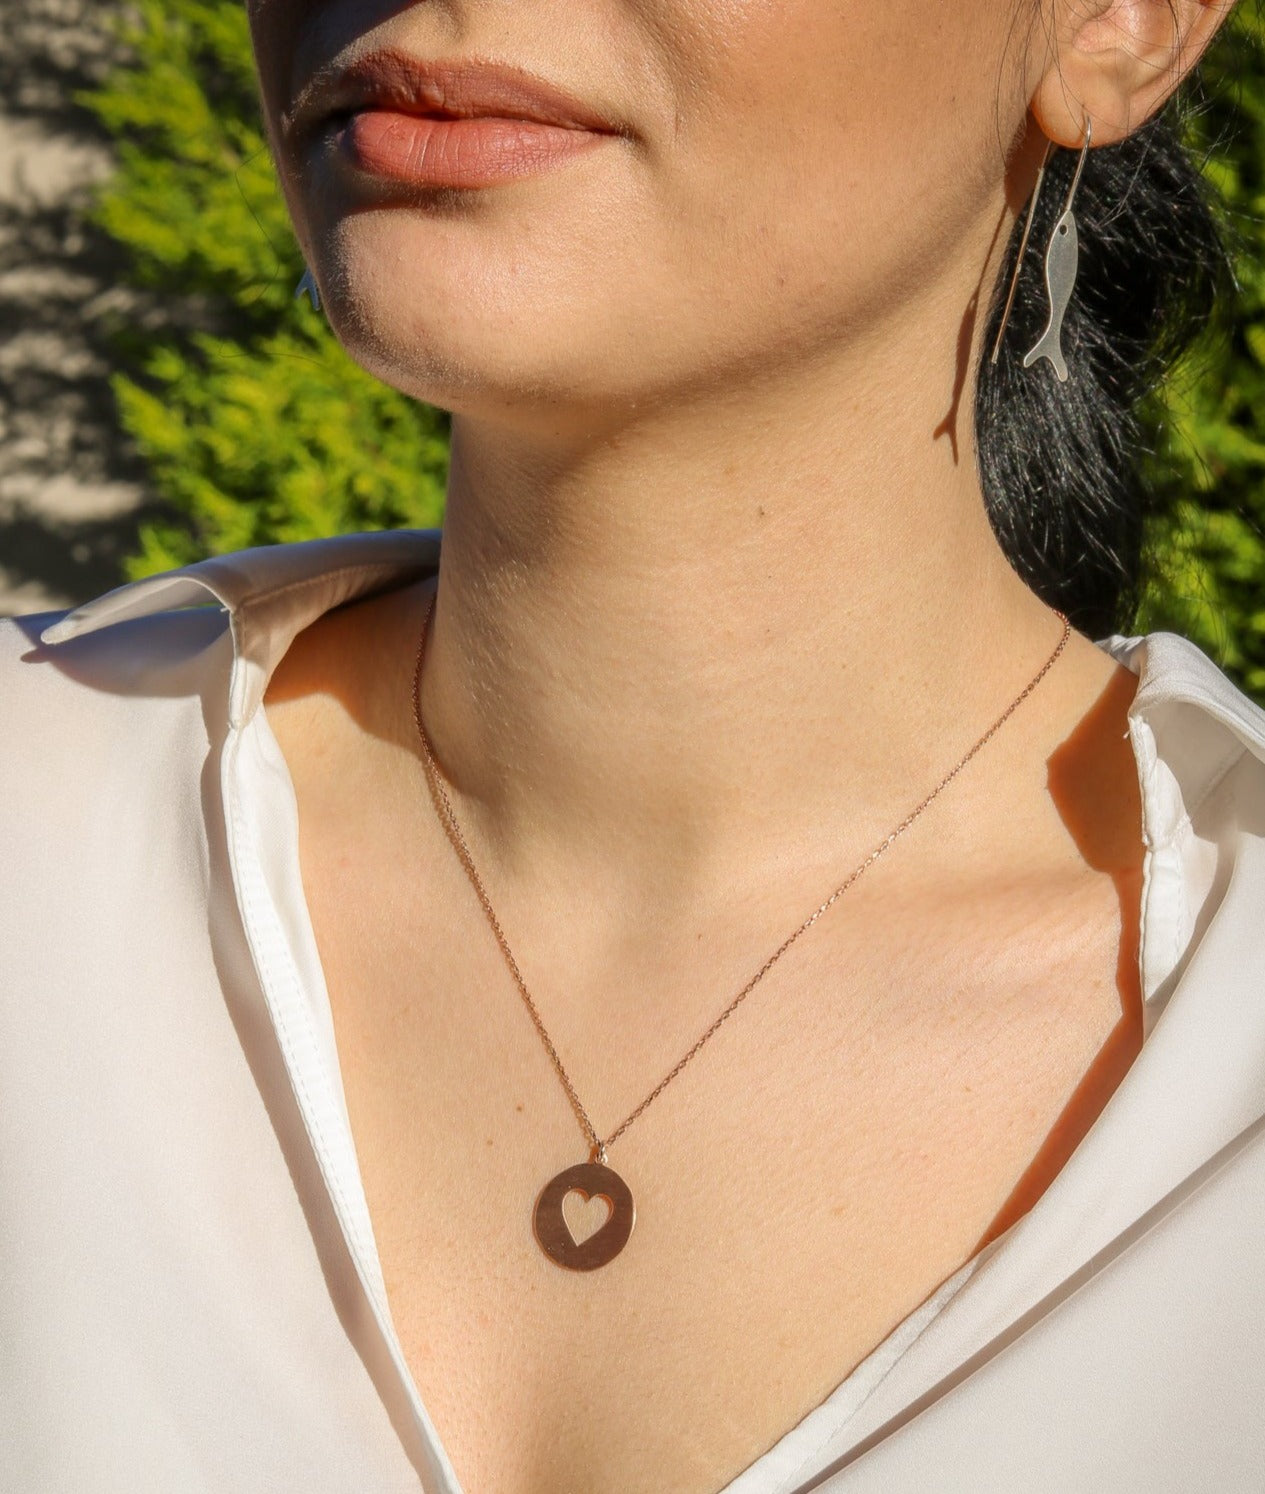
point(591, 1180)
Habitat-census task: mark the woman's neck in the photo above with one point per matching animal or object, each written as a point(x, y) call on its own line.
point(720, 633)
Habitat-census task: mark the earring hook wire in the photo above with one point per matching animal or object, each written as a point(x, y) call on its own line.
point(1080, 165)
point(1023, 249)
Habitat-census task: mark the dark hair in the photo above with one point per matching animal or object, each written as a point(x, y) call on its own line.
point(1062, 464)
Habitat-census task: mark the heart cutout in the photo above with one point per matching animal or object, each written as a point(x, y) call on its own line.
point(584, 1213)
point(601, 1219)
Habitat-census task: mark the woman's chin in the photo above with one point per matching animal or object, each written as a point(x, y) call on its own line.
point(461, 360)
point(448, 316)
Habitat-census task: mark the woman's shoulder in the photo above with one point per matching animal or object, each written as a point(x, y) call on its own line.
point(1192, 725)
point(69, 697)
point(179, 634)
point(1173, 668)
point(99, 738)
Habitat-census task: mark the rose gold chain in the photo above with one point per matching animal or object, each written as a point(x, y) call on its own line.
point(453, 828)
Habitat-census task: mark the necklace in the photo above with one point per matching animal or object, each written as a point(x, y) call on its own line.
point(595, 1179)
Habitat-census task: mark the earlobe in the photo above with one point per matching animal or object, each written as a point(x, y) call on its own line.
point(1119, 61)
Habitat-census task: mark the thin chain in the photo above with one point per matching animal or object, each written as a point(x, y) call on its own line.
point(448, 814)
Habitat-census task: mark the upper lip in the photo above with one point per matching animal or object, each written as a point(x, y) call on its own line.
point(457, 89)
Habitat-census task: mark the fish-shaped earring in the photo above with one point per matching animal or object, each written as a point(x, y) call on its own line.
point(1061, 264)
point(309, 288)
point(1062, 259)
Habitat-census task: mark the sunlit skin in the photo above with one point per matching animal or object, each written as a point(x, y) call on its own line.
point(719, 604)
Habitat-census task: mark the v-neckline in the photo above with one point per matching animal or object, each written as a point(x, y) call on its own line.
point(781, 1467)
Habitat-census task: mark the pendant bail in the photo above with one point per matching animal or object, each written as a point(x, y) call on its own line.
point(597, 1153)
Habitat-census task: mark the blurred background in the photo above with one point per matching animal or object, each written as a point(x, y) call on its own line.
point(163, 396)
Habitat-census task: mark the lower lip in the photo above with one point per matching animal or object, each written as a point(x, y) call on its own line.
point(458, 152)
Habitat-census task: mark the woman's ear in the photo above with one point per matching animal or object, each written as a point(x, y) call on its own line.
point(1117, 61)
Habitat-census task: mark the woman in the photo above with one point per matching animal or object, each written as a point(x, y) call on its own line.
point(743, 996)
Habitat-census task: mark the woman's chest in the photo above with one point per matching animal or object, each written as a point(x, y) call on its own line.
point(811, 1177)
point(896, 1090)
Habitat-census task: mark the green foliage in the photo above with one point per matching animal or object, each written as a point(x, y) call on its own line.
point(256, 427)
point(1207, 548)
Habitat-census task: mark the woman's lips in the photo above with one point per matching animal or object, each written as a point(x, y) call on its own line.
point(426, 151)
point(454, 122)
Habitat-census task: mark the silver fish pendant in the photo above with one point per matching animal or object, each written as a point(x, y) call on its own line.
point(1062, 259)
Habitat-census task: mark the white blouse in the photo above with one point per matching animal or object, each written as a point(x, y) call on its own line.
point(190, 1295)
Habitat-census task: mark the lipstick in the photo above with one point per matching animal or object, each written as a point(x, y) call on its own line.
point(457, 153)
point(455, 124)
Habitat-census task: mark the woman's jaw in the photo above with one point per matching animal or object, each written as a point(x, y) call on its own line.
point(739, 187)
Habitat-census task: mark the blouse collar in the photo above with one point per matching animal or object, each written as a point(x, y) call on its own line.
point(271, 593)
